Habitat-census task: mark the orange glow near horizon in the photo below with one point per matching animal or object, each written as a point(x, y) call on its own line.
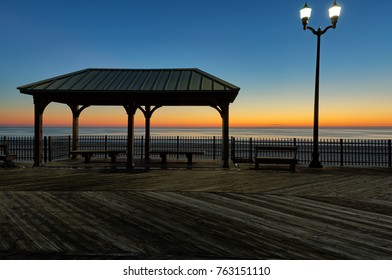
point(60, 115)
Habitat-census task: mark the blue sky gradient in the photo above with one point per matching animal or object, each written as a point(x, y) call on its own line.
point(257, 45)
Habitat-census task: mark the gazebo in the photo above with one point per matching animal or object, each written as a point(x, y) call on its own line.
point(144, 89)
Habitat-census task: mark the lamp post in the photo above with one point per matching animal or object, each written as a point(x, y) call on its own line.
point(334, 13)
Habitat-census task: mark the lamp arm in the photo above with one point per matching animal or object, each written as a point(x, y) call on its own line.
point(319, 32)
point(312, 29)
point(326, 29)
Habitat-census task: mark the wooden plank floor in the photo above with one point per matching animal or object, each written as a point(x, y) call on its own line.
point(208, 213)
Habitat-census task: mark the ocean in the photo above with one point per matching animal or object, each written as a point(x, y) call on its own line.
point(334, 133)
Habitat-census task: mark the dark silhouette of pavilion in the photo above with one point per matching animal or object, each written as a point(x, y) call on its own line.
point(144, 89)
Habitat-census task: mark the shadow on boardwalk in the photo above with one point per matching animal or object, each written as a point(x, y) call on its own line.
point(67, 211)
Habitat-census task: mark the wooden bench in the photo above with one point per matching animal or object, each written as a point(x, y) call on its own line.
point(276, 155)
point(6, 156)
point(189, 154)
point(87, 154)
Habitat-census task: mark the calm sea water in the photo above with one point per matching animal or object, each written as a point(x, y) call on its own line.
point(345, 133)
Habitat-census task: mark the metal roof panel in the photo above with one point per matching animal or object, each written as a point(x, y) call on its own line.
point(150, 80)
point(117, 81)
point(92, 84)
point(159, 80)
point(128, 80)
point(195, 82)
point(184, 80)
point(139, 80)
point(173, 80)
point(162, 80)
point(206, 83)
point(70, 82)
point(83, 82)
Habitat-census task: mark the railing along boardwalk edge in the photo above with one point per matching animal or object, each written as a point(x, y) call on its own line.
point(335, 152)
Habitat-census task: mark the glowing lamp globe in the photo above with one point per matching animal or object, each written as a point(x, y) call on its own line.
point(334, 13)
point(305, 13)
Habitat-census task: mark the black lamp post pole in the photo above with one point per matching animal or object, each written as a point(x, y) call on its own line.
point(315, 163)
point(334, 13)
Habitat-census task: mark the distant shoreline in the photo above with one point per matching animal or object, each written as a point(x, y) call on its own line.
point(212, 127)
point(244, 132)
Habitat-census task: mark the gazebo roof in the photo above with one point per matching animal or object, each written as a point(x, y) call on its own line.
point(143, 86)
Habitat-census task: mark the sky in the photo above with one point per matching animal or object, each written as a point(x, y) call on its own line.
point(259, 46)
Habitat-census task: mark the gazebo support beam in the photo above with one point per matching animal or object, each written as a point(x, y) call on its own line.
point(225, 135)
point(75, 125)
point(131, 110)
point(39, 106)
point(223, 110)
point(147, 112)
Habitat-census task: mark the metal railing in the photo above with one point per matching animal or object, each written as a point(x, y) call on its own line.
point(211, 145)
point(342, 152)
point(338, 152)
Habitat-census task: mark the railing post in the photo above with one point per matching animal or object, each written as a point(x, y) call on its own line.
point(50, 148)
point(69, 146)
point(213, 148)
point(178, 145)
point(45, 149)
point(233, 148)
point(106, 146)
point(142, 147)
point(341, 153)
point(389, 153)
point(250, 149)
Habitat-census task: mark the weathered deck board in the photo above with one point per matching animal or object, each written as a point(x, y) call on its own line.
point(196, 213)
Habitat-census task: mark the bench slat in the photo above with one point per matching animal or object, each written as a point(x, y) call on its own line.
point(87, 154)
point(178, 152)
point(274, 148)
point(189, 154)
point(97, 151)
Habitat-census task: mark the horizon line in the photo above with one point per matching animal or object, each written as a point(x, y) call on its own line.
point(215, 127)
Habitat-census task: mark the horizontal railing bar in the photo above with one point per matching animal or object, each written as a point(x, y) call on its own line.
point(339, 152)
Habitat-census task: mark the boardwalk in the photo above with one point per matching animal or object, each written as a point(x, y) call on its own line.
point(71, 212)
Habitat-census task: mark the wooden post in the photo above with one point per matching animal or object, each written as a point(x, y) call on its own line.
point(75, 125)
point(39, 107)
point(147, 111)
point(225, 135)
point(131, 109)
point(75, 129)
point(147, 126)
point(223, 110)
